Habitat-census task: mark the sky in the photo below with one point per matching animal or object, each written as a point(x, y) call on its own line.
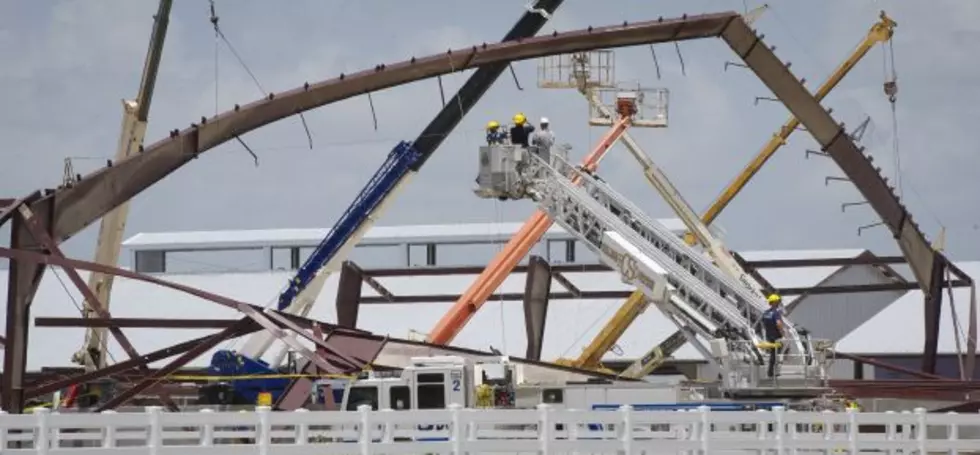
point(68, 64)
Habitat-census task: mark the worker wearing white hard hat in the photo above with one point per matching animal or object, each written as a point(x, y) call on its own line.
point(543, 137)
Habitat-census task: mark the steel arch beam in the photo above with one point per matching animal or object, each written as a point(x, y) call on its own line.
point(77, 206)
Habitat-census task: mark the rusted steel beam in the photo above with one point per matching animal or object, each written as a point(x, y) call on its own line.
point(856, 288)
point(122, 367)
point(9, 206)
point(41, 235)
point(142, 323)
point(22, 283)
point(475, 270)
point(826, 262)
point(507, 297)
point(858, 167)
point(537, 288)
point(24, 256)
point(349, 290)
point(155, 377)
point(888, 366)
point(101, 191)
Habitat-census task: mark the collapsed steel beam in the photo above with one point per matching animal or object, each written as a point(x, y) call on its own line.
point(193, 353)
point(140, 323)
point(97, 193)
point(836, 143)
point(38, 232)
point(127, 365)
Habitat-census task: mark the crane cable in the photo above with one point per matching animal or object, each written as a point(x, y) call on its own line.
point(890, 87)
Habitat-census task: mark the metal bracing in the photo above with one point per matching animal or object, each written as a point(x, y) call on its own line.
point(537, 288)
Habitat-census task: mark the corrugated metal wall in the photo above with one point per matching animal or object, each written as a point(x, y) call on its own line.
point(833, 316)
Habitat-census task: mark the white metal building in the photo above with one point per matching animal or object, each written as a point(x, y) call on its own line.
point(254, 266)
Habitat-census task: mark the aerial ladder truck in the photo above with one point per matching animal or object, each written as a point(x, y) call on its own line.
point(630, 310)
point(701, 299)
point(136, 112)
point(880, 32)
point(403, 163)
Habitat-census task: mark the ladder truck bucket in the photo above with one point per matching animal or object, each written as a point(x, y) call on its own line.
point(500, 169)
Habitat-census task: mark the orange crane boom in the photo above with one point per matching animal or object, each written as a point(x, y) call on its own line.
point(519, 246)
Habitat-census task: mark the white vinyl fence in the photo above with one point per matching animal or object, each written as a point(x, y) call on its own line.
point(545, 430)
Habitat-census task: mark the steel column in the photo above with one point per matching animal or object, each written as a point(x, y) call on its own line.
point(349, 294)
point(22, 283)
point(537, 288)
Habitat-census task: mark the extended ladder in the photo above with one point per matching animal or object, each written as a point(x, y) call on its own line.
point(627, 246)
point(750, 304)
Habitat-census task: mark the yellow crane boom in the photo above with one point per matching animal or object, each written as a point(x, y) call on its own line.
point(880, 32)
point(591, 355)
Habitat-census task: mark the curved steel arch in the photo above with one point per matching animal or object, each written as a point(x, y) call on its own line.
point(74, 208)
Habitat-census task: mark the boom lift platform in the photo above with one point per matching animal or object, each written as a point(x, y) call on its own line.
point(698, 297)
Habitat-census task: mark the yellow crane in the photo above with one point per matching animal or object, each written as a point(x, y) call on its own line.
point(591, 356)
point(880, 32)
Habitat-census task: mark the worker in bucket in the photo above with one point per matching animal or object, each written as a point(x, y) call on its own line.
point(495, 135)
point(772, 324)
point(521, 130)
point(543, 138)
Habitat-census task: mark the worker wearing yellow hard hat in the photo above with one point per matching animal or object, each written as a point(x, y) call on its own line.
point(494, 134)
point(521, 130)
point(772, 324)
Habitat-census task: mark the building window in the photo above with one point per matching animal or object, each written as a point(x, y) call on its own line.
point(151, 261)
point(378, 256)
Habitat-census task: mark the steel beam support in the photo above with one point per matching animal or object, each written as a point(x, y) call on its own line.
point(932, 312)
point(248, 327)
point(141, 323)
point(834, 140)
point(349, 294)
point(475, 270)
point(827, 262)
point(753, 272)
point(41, 236)
point(156, 376)
point(101, 191)
point(537, 288)
point(22, 283)
point(9, 206)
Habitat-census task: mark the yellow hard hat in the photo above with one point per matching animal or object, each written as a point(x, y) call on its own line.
point(519, 119)
point(492, 125)
point(774, 298)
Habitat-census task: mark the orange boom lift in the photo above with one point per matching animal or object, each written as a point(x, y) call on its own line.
point(520, 244)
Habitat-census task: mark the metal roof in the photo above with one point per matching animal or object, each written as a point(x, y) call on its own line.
point(898, 328)
point(568, 329)
point(377, 235)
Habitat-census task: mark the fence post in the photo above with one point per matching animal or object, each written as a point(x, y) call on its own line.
point(954, 428)
point(852, 430)
point(155, 436)
point(626, 433)
point(42, 436)
point(890, 433)
point(920, 434)
point(794, 434)
point(108, 433)
point(365, 434)
point(544, 428)
point(3, 434)
point(779, 414)
point(705, 428)
point(302, 429)
point(762, 425)
point(207, 429)
point(456, 432)
point(264, 438)
point(388, 431)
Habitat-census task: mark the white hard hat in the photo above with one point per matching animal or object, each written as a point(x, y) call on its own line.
point(544, 120)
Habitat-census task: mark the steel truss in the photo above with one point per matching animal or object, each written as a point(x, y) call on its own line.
point(53, 216)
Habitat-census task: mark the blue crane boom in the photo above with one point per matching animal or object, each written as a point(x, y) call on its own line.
point(399, 161)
